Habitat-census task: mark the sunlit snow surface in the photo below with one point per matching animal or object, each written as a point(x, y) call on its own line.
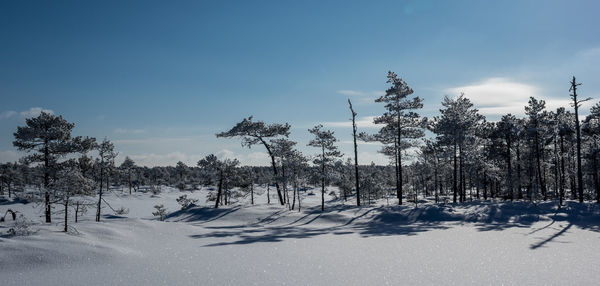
point(240, 244)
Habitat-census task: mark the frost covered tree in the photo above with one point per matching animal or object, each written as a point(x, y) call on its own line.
point(181, 169)
point(282, 149)
point(402, 125)
point(456, 127)
point(49, 139)
point(591, 131)
point(324, 140)
point(508, 130)
point(537, 118)
point(107, 154)
point(217, 168)
point(128, 166)
point(11, 178)
point(161, 212)
point(71, 182)
point(257, 132)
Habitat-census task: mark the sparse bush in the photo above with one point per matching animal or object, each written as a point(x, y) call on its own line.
point(21, 227)
point(333, 194)
point(155, 190)
point(121, 211)
point(186, 202)
point(211, 197)
point(161, 212)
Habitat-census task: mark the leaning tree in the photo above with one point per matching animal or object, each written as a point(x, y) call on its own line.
point(258, 132)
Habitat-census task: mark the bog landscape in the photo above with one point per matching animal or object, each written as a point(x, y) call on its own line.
point(312, 143)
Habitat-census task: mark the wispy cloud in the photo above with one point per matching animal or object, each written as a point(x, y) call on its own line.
point(359, 142)
point(129, 131)
point(252, 158)
point(153, 140)
point(361, 96)
point(35, 111)
point(171, 158)
point(362, 122)
point(7, 114)
point(499, 96)
point(31, 112)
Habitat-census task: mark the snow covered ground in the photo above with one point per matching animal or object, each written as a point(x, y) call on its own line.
point(471, 243)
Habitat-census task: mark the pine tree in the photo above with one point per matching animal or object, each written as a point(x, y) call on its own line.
point(71, 182)
point(257, 132)
point(324, 139)
point(455, 128)
point(219, 169)
point(49, 137)
point(128, 166)
point(591, 130)
point(402, 124)
point(508, 130)
point(107, 154)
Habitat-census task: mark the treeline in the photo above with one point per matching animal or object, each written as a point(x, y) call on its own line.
point(547, 154)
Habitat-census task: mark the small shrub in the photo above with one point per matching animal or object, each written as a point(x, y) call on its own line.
point(121, 211)
point(211, 197)
point(161, 212)
point(186, 202)
point(155, 190)
point(21, 227)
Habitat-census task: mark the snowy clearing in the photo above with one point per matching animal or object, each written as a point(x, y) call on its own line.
point(471, 243)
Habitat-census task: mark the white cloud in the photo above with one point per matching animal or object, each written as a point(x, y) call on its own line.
point(171, 158)
point(360, 142)
point(362, 96)
point(499, 96)
point(34, 111)
point(7, 114)
point(153, 141)
point(363, 122)
point(253, 158)
point(365, 158)
point(168, 159)
point(9, 156)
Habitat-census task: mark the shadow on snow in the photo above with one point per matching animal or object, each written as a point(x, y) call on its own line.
point(393, 220)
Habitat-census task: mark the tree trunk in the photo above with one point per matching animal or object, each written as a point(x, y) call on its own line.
point(454, 177)
point(579, 172)
point(48, 211)
point(274, 170)
point(355, 155)
point(323, 180)
point(99, 206)
point(66, 212)
point(561, 194)
point(509, 181)
point(220, 189)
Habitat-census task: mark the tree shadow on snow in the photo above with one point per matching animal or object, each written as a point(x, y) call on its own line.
point(402, 220)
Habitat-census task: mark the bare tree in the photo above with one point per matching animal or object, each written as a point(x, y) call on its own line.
point(355, 153)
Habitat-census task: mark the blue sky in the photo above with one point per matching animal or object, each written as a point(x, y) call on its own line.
point(160, 78)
